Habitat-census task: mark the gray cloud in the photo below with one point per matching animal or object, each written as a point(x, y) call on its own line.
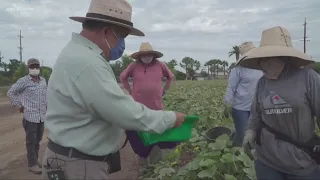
point(202, 29)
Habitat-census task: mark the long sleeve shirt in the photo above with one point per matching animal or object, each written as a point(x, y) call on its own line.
point(241, 87)
point(147, 82)
point(87, 109)
point(287, 105)
point(30, 95)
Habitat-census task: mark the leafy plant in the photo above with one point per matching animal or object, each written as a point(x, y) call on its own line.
point(208, 159)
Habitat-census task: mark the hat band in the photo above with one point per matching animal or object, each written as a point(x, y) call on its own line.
point(109, 18)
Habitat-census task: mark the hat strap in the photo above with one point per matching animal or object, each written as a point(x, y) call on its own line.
point(110, 18)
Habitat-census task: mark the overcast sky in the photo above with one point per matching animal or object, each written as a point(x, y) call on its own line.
point(201, 29)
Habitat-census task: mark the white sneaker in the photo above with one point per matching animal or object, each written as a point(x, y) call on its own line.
point(35, 169)
point(39, 164)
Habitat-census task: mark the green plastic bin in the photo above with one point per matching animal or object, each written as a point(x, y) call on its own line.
point(181, 133)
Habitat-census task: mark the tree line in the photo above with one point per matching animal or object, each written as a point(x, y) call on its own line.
point(190, 66)
point(14, 69)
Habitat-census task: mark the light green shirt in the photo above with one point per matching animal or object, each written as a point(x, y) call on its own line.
point(87, 110)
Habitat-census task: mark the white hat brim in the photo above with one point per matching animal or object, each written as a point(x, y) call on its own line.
point(252, 57)
point(137, 55)
point(133, 31)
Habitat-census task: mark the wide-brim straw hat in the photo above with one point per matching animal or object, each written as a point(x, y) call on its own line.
point(117, 12)
point(275, 42)
point(244, 48)
point(146, 49)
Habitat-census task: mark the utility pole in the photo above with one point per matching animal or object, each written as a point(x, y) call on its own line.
point(305, 35)
point(20, 47)
point(0, 57)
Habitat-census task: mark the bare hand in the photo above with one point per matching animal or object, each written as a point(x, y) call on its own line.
point(21, 110)
point(179, 119)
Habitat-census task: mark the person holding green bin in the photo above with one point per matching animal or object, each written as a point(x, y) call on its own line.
point(147, 72)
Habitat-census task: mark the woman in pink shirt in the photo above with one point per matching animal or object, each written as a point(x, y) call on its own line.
point(147, 73)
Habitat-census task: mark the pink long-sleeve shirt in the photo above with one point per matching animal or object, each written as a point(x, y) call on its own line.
point(147, 82)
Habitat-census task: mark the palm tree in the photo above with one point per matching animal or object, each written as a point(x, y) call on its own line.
point(224, 64)
point(235, 51)
point(232, 65)
point(216, 64)
point(209, 65)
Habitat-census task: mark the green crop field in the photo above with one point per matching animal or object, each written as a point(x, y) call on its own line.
point(199, 158)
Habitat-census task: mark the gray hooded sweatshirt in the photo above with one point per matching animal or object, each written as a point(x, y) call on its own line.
point(289, 106)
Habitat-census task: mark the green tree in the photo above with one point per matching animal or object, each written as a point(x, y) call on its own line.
point(225, 64)
point(46, 72)
point(190, 65)
point(235, 51)
point(180, 75)
point(171, 65)
point(125, 61)
point(204, 73)
point(209, 65)
point(117, 69)
point(13, 66)
point(21, 71)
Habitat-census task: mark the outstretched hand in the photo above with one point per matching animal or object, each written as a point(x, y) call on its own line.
point(180, 117)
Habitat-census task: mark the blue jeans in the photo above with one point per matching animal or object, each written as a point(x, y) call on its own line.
point(265, 172)
point(240, 120)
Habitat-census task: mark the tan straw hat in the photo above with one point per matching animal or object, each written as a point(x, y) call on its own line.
point(244, 48)
point(275, 42)
point(146, 48)
point(116, 12)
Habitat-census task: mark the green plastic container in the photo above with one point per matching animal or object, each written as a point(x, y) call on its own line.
point(181, 133)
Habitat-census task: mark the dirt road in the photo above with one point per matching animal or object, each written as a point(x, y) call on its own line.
point(13, 154)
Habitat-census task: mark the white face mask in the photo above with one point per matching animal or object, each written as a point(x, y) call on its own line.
point(34, 72)
point(147, 59)
point(272, 67)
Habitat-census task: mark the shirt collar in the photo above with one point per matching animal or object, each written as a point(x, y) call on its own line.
point(79, 39)
point(40, 78)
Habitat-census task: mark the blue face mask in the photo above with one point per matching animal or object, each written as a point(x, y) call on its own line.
point(117, 51)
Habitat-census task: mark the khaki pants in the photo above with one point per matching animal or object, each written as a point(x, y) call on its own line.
point(74, 168)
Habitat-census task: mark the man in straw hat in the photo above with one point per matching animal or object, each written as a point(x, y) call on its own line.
point(28, 94)
point(87, 110)
point(241, 86)
point(147, 73)
point(283, 110)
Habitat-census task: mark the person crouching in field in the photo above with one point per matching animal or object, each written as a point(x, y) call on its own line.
point(282, 126)
point(241, 86)
point(29, 95)
point(147, 73)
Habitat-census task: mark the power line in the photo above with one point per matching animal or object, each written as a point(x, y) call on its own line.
point(20, 47)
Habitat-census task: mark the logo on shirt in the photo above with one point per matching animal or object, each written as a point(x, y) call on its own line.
point(277, 100)
point(275, 104)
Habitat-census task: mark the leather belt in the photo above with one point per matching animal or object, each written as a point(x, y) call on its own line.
point(73, 153)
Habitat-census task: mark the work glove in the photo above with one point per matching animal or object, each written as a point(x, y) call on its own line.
point(227, 111)
point(249, 142)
